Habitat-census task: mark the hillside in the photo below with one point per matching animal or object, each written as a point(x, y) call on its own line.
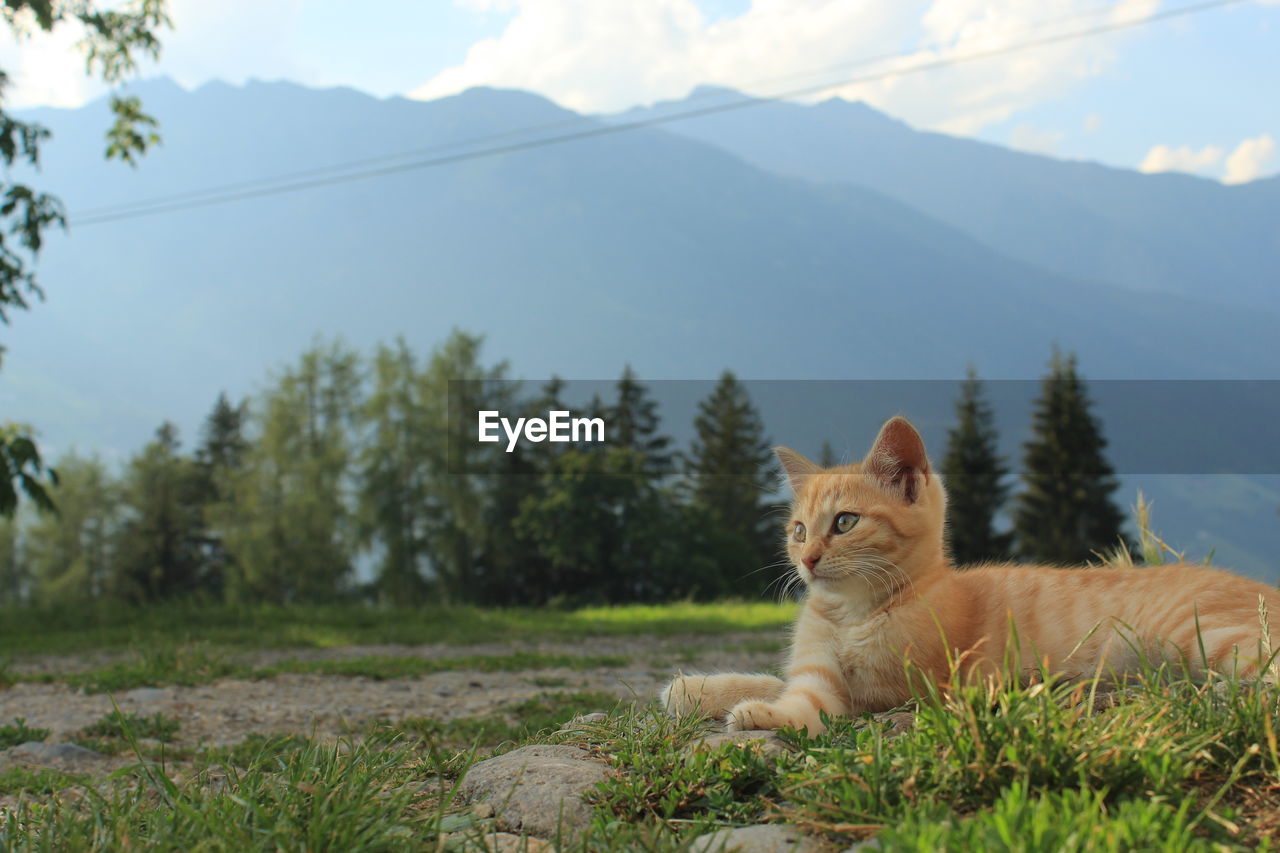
point(1163, 233)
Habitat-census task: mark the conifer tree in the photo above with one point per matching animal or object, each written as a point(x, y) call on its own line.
point(827, 456)
point(1065, 512)
point(974, 476)
point(287, 520)
point(633, 422)
point(731, 468)
point(159, 549)
point(223, 446)
point(458, 468)
point(513, 569)
point(394, 499)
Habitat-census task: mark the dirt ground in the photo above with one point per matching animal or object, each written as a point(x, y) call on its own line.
point(227, 711)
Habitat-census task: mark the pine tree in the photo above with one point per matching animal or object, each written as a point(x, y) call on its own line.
point(395, 503)
point(633, 422)
point(1065, 512)
point(827, 456)
point(159, 548)
point(730, 468)
point(286, 520)
point(513, 570)
point(974, 476)
point(223, 446)
point(456, 385)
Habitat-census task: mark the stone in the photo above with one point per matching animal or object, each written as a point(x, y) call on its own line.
point(762, 740)
point(496, 842)
point(577, 722)
point(764, 838)
point(536, 790)
point(146, 695)
point(56, 754)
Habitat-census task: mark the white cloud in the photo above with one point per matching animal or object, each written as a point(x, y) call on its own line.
point(591, 55)
point(1025, 137)
point(1092, 123)
point(1249, 159)
point(47, 69)
point(229, 40)
point(1164, 158)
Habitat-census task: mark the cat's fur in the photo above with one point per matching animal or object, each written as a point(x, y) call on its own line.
point(885, 592)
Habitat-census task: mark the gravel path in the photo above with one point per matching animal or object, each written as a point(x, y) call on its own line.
point(227, 711)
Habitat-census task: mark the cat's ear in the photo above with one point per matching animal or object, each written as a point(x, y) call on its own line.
point(897, 459)
point(798, 468)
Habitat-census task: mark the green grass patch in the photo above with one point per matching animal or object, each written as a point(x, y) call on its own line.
point(1176, 766)
point(350, 797)
point(385, 667)
point(188, 666)
point(19, 732)
point(117, 732)
point(32, 630)
point(257, 751)
point(22, 780)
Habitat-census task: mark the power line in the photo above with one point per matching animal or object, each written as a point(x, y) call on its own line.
point(268, 187)
point(575, 121)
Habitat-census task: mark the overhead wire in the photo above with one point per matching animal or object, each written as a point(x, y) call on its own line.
point(325, 176)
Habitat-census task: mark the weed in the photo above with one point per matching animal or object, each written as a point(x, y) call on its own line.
point(19, 732)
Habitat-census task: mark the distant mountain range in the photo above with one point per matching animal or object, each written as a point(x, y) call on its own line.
point(1166, 233)
point(782, 241)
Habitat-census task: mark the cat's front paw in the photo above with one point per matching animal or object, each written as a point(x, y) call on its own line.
point(754, 715)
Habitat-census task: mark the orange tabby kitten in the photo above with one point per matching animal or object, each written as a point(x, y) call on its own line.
point(867, 539)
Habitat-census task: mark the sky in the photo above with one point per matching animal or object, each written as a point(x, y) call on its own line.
point(1194, 94)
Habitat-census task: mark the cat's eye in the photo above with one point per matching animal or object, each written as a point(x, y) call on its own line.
point(845, 521)
point(798, 533)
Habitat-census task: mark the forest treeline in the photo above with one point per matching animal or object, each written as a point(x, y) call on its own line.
point(343, 462)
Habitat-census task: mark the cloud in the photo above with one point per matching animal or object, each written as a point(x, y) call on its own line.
point(47, 69)
point(597, 56)
point(1092, 123)
point(1024, 137)
point(229, 40)
point(1163, 158)
point(1249, 159)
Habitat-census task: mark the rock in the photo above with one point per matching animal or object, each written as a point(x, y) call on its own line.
point(536, 790)
point(763, 740)
point(764, 838)
point(145, 695)
point(69, 755)
point(864, 846)
point(496, 842)
point(578, 721)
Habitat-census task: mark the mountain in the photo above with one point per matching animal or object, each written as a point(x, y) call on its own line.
point(1164, 233)
point(644, 247)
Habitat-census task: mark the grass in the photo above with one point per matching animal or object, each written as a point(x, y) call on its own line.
point(1175, 766)
point(19, 732)
point(116, 732)
point(105, 628)
point(188, 666)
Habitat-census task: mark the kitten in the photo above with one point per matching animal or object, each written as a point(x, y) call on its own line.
point(867, 539)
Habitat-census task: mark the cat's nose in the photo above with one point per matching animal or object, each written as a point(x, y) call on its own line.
point(810, 562)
